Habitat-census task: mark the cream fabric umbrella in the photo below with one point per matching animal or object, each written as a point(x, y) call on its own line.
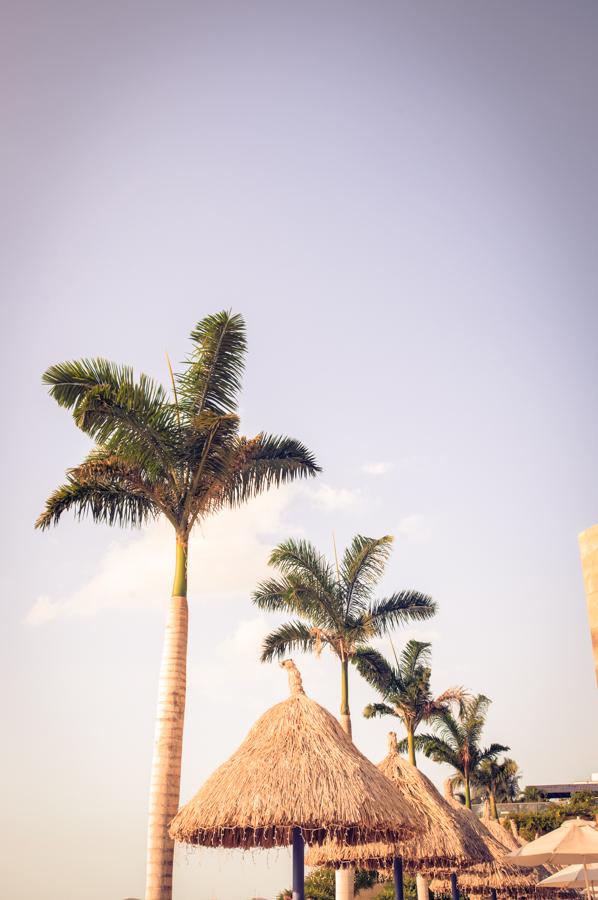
point(576, 841)
point(572, 877)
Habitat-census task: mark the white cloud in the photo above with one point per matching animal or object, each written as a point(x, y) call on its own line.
point(228, 553)
point(415, 528)
point(331, 499)
point(376, 468)
point(234, 659)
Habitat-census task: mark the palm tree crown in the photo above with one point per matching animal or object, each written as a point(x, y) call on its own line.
point(334, 606)
point(456, 740)
point(405, 688)
point(497, 781)
point(181, 456)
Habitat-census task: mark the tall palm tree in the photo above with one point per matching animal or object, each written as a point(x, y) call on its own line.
point(180, 457)
point(456, 740)
point(405, 688)
point(497, 781)
point(334, 605)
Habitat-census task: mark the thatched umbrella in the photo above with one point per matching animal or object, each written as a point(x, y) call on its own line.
point(446, 843)
point(296, 778)
point(507, 838)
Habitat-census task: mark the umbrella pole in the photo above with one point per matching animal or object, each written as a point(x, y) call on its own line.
point(397, 876)
point(585, 872)
point(454, 887)
point(298, 866)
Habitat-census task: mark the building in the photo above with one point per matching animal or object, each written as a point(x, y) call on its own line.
point(588, 548)
point(564, 791)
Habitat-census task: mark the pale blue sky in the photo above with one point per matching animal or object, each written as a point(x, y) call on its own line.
point(402, 201)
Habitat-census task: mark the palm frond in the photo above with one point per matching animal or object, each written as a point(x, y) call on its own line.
point(373, 710)
point(289, 594)
point(301, 558)
point(414, 654)
point(491, 752)
point(286, 638)
point(363, 565)
point(376, 670)
point(437, 749)
point(112, 502)
point(263, 462)
point(212, 378)
point(132, 418)
point(404, 606)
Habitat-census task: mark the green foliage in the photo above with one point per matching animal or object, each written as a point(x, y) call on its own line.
point(319, 884)
point(333, 608)
point(531, 794)
point(531, 825)
point(583, 803)
point(387, 892)
point(181, 456)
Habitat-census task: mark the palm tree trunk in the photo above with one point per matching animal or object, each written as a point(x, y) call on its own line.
point(422, 887)
point(410, 746)
point(344, 884)
point(168, 741)
point(345, 711)
point(493, 809)
point(344, 880)
point(467, 790)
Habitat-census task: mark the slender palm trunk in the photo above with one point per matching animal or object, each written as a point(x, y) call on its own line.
point(344, 880)
point(168, 741)
point(410, 746)
point(345, 711)
point(467, 789)
point(422, 887)
point(492, 804)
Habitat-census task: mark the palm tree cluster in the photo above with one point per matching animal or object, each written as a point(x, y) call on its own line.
point(456, 738)
point(178, 453)
point(405, 689)
point(334, 605)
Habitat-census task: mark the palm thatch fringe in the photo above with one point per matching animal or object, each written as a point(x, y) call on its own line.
point(295, 768)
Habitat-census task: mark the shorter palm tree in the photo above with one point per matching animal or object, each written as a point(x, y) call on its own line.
point(496, 782)
point(334, 605)
point(456, 741)
point(405, 688)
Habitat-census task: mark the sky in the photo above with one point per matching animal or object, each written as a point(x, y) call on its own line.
point(401, 199)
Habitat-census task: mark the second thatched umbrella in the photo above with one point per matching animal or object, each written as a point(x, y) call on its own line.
point(295, 778)
point(446, 843)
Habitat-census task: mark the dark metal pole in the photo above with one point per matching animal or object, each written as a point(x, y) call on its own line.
point(298, 867)
point(397, 874)
point(454, 888)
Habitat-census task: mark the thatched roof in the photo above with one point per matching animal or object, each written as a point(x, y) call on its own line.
point(507, 838)
point(446, 843)
point(295, 768)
